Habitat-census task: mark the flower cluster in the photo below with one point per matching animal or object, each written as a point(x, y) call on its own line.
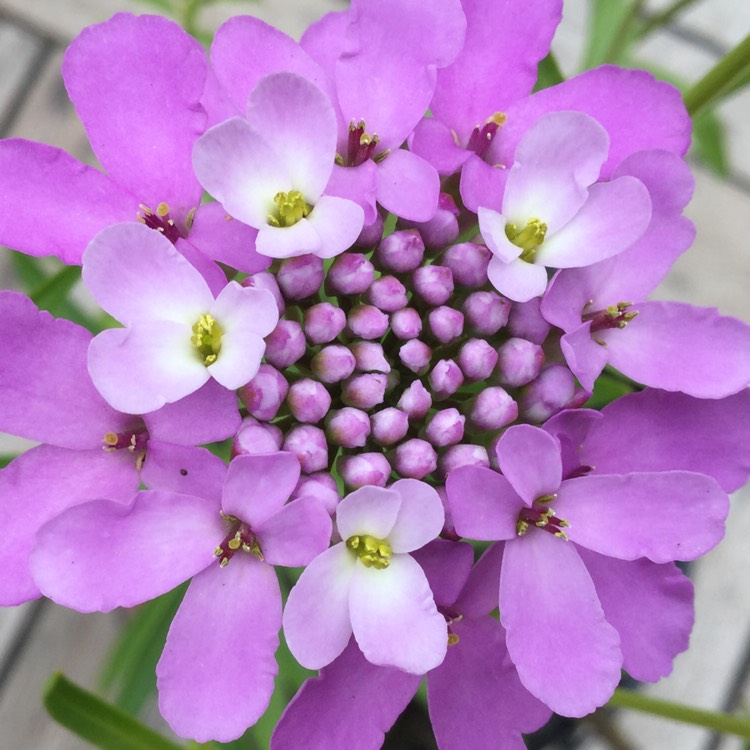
point(413, 312)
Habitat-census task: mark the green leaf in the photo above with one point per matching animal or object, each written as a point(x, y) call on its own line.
point(709, 142)
point(548, 73)
point(608, 388)
point(96, 721)
point(606, 20)
point(5, 460)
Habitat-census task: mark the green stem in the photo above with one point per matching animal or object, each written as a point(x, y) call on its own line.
point(720, 78)
point(624, 33)
point(718, 722)
point(662, 19)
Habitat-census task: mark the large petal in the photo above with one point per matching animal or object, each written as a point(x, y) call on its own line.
point(103, 554)
point(140, 369)
point(394, 617)
point(216, 675)
point(368, 510)
point(289, 242)
point(136, 274)
point(585, 356)
point(36, 487)
point(679, 347)
point(358, 184)
point(447, 565)
point(483, 504)
point(337, 222)
point(659, 431)
point(433, 140)
point(626, 591)
point(351, 704)
point(317, 626)
point(480, 594)
point(530, 459)
point(492, 226)
point(517, 280)
point(45, 388)
point(52, 203)
point(136, 82)
point(565, 651)
point(420, 517)
point(483, 184)
point(408, 186)
point(673, 515)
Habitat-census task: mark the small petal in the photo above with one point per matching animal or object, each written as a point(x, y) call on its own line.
point(420, 517)
point(337, 222)
point(518, 280)
point(408, 186)
point(368, 510)
point(530, 459)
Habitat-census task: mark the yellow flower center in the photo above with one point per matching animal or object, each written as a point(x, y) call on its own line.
point(206, 339)
point(528, 239)
point(374, 553)
point(290, 208)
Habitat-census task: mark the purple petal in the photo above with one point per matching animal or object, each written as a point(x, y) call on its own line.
point(53, 203)
point(685, 514)
point(136, 274)
point(498, 63)
point(45, 387)
point(679, 347)
point(566, 653)
point(434, 141)
point(394, 617)
point(447, 565)
point(584, 355)
point(420, 517)
point(316, 617)
point(211, 272)
point(518, 280)
point(368, 510)
point(491, 706)
point(628, 589)
point(136, 82)
point(483, 504)
point(103, 554)
point(257, 486)
point(140, 369)
point(480, 595)
point(216, 674)
point(337, 710)
point(482, 184)
point(658, 431)
point(530, 459)
point(295, 535)
point(358, 184)
point(571, 427)
point(337, 222)
point(36, 487)
point(492, 226)
point(408, 186)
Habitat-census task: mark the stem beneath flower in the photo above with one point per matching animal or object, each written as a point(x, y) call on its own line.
point(719, 722)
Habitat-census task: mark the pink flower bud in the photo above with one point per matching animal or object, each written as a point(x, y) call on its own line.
point(371, 234)
point(370, 357)
point(434, 284)
point(256, 437)
point(267, 281)
point(406, 323)
point(445, 379)
point(463, 454)
point(446, 324)
point(400, 252)
point(367, 322)
point(518, 362)
point(468, 262)
point(442, 228)
point(364, 469)
point(526, 321)
point(486, 312)
point(324, 322)
point(477, 359)
point(364, 391)
point(308, 400)
point(322, 486)
point(300, 277)
point(387, 293)
point(333, 363)
point(414, 459)
point(415, 401)
point(446, 427)
point(309, 444)
point(285, 344)
point(350, 273)
point(389, 426)
point(415, 355)
point(348, 427)
point(550, 393)
point(265, 393)
point(492, 409)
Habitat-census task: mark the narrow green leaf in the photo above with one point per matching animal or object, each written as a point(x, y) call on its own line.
point(605, 21)
point(548, 73)
point(608, 388)
point(5, 460)
point(709, 142)
point(98, 722)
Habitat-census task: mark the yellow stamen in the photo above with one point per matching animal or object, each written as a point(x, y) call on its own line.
point(374, 553)
point(528, 239)
point(290, 208)
point(206, 338)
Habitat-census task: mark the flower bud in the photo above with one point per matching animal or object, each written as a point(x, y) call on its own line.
point(526, 321)
point(267, 281)
point(551, 392)
point(434, 284)
point(285, 344)
point(324, 322)
point(364, 391)
point(370, 234)
point(442, 228)
point(414, 459)
point(406, 323)
point(446, 427)
point(486, 312)
point(477, 359)
point(348, 427)
point(387, 293)
point(415, 355)
point(468, 262)
point(322, 486)
point(350, 273)
point(363, 469)
point(389, 426)
point(518, 362)
point(308, 401)
point(401, 251)
point(445, 379)
point(463, 454)
point(309, 444)
point(415, 401)
point(446, 324)
point(367, 322)
point(369, 356)
point(256, 437)
point(333, 363)
point(492, 409)
point(265, 393)
point(300, 277)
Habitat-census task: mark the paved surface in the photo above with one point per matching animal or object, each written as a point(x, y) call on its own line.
point(37, 639)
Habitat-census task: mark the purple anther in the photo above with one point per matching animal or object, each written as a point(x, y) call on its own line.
point(400, 252)
point(387, 294)
point(285, 344)
point(414, 459)
point(477, 359)
point(323, 322)
point(265, 393)
point(518, 362)
point(468, 262)
point(310, 446)
point(348, 427)
point(389, 426)
point(367, 322)
point(333, 363)
point(350, 273)
point(446, 324)
point(300, 277)
point(486, 312)
point(434, 284)
point(308, 401)
point(446, 427)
